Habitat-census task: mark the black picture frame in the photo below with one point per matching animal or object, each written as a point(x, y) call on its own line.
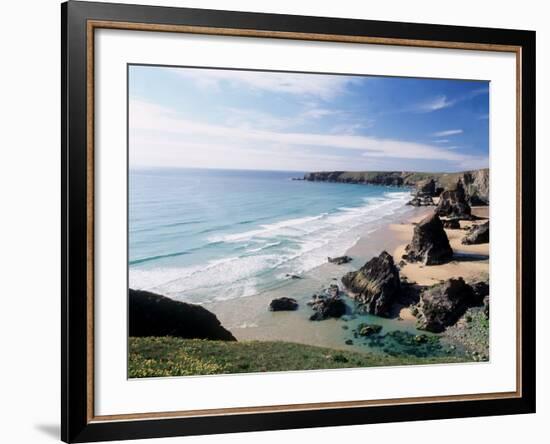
point(76, 423)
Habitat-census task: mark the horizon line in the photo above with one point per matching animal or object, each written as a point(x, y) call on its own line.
point(143, 167)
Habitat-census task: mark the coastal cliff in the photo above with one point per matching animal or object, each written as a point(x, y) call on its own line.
point(475, 182)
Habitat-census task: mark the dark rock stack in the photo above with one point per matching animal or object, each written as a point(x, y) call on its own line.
point(481, 291)
point(283, 304)
point(327, 304)
point(479, 234)
point(476, 184)
point(376, 285)
point(442, 305)
point(426, 188)
point(331, 307)
point(453, 203)
point(151, 314)
point(429, 244)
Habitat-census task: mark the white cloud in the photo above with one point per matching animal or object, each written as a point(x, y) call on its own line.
point(442, 141)
point(323, 86)
point(317, 113)
point(442, 102)
point(248, 118)
point(160, 124)
point(350, 128)
point(439, 102)
point(446, 133)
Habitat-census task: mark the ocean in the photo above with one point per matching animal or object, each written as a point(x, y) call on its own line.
point(202, 235)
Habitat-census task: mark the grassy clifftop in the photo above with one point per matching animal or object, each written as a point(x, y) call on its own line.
point(169, 356)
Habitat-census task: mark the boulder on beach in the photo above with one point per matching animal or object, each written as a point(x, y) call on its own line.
point(481, 291)
point(339, 260)
point(376, 285)
point(479, 234)
point(453, 224)
point(442, 305)
point(368, 329)
point(283, 304)
point(421, 201)
point(453, 203)
point(429, 244)
point(151, 314)
point(293, 276)
point(327, 307)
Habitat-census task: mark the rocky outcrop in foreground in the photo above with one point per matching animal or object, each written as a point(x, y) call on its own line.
point(327, 304)
point(327, 307)
point(429, 244)
point(453, 203)
point(376, 285)
point(479, 234)
point(476, 185)
point(283, 304)
point(151, 314)
point(475, 182)
point(442, 305)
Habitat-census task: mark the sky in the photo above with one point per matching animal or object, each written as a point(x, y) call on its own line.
point(235, 119)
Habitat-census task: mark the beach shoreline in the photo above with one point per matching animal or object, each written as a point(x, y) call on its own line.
point(249, 319)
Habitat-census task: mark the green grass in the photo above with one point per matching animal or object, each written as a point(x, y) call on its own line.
point(168, 356)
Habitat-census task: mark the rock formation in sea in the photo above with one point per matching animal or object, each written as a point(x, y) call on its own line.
point(442, 305)
point(453, 203)
point(376, 285)
point(283, 304)
point(479, 234)
point(429, 244)
point(151, 314)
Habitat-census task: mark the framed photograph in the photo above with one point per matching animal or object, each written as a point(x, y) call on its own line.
point(275, 221)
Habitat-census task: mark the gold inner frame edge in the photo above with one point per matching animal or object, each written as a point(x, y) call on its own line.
point(92, 25)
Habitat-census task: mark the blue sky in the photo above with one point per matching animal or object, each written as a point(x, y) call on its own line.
point(210, 118)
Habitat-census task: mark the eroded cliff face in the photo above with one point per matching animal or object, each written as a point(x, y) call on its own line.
point(476, 182)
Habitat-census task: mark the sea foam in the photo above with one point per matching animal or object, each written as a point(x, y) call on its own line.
point(270, 252)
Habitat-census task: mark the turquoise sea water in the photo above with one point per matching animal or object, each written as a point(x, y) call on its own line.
point(205, 235)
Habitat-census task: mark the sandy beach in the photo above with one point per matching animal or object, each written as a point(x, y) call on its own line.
point(248, 318)
point(471, 261)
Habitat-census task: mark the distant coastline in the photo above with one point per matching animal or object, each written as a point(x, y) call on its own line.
point(476, 182)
